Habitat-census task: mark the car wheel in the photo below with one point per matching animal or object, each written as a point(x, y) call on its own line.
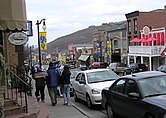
point(110, 113)
point(75, 96)
point(88, 100)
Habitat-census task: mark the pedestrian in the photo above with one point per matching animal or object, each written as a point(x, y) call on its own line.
point(40, 85)
point(52, 82)
point(66, 84)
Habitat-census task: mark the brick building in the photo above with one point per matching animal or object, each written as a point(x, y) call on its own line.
point(147, 52)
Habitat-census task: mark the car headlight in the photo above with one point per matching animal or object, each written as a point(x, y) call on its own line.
point(164, 115)
point(96, 91)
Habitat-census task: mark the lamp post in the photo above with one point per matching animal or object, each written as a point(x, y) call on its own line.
point(44, 28)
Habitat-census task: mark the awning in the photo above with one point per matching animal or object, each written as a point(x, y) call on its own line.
point(135, 40)
point(151, 39)
point(83, 57)
point(142, 40)
point(13, 15)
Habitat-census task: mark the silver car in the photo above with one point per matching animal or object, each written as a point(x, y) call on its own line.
point(88, 85)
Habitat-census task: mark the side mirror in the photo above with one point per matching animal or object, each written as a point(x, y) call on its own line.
point(81, 82)
point(134, 95)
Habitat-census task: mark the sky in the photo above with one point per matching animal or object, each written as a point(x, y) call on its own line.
point(64, 17)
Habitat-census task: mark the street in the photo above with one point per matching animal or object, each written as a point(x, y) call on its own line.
point(96, 112)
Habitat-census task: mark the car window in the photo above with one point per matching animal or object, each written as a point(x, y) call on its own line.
point(83, 77)
point(141, 65)
point(163, 68)
point(78, 77)
point(119, 86)
point(73, 74)
point(131, 87)
point(160, 68)
point(153, 86)
point(100, 76)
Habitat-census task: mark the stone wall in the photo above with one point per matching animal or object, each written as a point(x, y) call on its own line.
point(1, 103)
point(13, 55)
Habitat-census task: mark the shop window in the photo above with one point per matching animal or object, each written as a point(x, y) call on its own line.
point(135, 26)
point(129, 26)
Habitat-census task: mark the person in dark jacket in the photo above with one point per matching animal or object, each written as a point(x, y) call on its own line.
point(66, 84)
point(52, 82)
point(40, 85)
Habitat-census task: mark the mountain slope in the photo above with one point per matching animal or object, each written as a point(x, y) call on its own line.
point(82, 36)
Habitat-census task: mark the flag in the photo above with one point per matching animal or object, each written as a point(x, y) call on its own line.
point(43, 41)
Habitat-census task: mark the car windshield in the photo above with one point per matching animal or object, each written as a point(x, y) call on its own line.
point(73, 74)
point(101, 76)
point(153, 86)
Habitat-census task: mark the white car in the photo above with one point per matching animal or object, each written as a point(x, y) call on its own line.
point(88, 85)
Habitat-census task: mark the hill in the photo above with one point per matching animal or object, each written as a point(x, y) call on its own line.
point(82, 36)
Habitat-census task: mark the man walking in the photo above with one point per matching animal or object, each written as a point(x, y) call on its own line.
point(52, 82)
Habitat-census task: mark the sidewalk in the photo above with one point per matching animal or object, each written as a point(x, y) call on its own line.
point(60, 110)
point(63, 111)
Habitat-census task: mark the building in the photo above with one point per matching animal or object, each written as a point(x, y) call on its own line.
point(145, 25)
point(116, 45)
point(80, 53)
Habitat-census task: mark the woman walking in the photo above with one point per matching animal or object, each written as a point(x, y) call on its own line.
point(66, 84)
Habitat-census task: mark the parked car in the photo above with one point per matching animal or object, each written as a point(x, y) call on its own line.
point(117, 67)
point(74, 72)
point(135, 67)
point(96, 65)
point(89, 83)
point(162, 68)
point(83, 67)
point(140, 95)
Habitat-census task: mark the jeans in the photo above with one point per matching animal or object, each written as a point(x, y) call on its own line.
point(66, 93)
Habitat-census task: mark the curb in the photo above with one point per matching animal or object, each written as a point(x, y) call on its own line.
point(82, 111)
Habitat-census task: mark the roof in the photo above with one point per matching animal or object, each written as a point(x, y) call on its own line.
point(143, 75)
point(94, 70)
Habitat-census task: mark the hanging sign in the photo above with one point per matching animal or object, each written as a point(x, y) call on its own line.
point(43, 41)
point(18, 38)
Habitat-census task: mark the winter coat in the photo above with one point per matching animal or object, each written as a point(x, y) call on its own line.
point(66, 77)
point(52, 78)
point(39, 80)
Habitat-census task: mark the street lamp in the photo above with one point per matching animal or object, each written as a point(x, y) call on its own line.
point(44, 28)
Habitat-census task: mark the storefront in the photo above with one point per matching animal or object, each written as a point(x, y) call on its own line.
point(149, 48)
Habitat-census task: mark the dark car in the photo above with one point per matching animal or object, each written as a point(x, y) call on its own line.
point(96, 65)
point(140, 95)
point(117, 67)
point(135, 67)
point(162, 68)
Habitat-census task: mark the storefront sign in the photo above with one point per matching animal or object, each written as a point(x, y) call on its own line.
point(18, 38)
point(146, 30)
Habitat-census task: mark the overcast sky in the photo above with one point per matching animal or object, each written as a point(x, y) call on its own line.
point(67, 16)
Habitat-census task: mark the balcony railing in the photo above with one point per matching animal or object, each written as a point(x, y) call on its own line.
point(146, 50)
